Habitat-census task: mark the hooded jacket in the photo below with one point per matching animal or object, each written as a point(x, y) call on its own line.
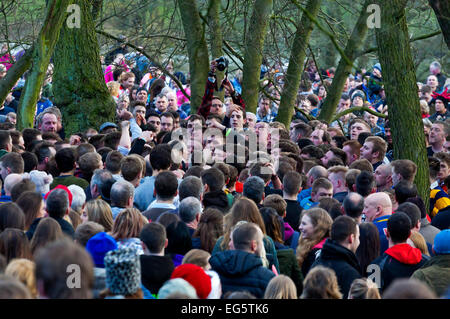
point(217, 198)
point(399, 261)
point(289, 267)
point(269, 246)
point(343, 261)
point(313, 254)
point(155, 270)
point(241, 271)
point(435, 273)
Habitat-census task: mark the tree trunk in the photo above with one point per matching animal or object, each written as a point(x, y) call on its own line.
point(296, 63)
point(97, 7)
point(41, 53)
point(197, 50)
point(216, 37)
point(78, 81)
point(328, 51)
point(442, 10)
point(253, 52)
point(344, 68)
point(399, 79)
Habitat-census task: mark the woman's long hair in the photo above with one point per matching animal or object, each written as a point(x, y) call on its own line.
point(210, 228)
point(369, 246)
point(321, 283)
point(30, 202)
point(272, 224)
point(179, 240)
point(47, 231)
point(322, 222)
point(128, 224)
point(100, 212)
point(243, 209)
point(14, 244)
point(281, 287)
point(419, 242)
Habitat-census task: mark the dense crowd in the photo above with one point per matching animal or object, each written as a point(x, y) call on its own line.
point(168, 203)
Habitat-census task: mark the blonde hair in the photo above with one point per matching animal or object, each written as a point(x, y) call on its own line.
point(100, 212)
point(125, 76)
point(322, 226)
point(424, 108)
point(128, 224)
point(363, 289)
point(113, 88)
point(197, 257)
point(281, 287)
point(419, 242)
point(23, 270)
point(321, 283)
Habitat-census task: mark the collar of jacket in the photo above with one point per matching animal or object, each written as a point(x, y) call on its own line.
point(333, 250)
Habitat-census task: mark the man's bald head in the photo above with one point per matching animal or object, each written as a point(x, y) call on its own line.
point(377, 205)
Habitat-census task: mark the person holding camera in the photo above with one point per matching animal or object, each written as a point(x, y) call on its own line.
point(212, 104)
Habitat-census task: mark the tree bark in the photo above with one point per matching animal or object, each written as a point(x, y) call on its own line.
point(442, 10)
point(41, 53)
point(197, 50)
point(296, 63)
point(399, 79)
point(328, 50)
point(253, 52)
point(216, 37)
point(344, 67)
point(78, 81)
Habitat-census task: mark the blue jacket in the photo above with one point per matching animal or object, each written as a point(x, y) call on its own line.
point(303, 194)
point(306, 203)
point(241, 271)
point(381, 223)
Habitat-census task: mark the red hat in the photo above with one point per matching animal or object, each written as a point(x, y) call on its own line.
point(64, 188)
point(196, 276)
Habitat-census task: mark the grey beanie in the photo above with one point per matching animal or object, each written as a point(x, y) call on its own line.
point(358, 93)
point(123, 271)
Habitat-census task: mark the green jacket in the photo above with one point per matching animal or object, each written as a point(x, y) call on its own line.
point(289, 267)
point(435, 273)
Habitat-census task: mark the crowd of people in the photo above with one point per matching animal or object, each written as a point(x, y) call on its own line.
point(222, 203)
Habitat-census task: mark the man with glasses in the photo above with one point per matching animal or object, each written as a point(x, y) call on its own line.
point(217, 107)
point(212, 104)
